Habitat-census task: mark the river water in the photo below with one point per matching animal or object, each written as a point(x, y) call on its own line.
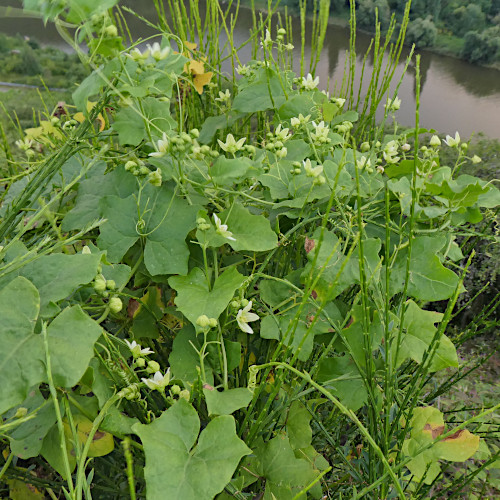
point(455, 95)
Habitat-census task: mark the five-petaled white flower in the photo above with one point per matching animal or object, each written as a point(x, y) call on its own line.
point(158, 382)
point(310, 170)
point(452, 142)
point(244, 317)
point(224, 96)
point(137, 350)
point(138, 56)
point(162, 146)
point(309, 83)
point(222, 229)
point(231, 146)
point(157, 52)
point(393, 104)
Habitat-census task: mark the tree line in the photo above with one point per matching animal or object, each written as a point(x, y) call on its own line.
point(476, 24)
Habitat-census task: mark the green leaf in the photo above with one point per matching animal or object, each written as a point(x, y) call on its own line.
point(56, 276)
point(429, 280)
point(225, 172)
point(131, 127)
point(341, 376)
point(197, 473)
point(228, 401)
point(282, 469)
point(26, 439)
point(168, 219)
point(119, 232)
point(251, 232)
point(214, 123)
point(94, 83)
point(21, 358)
point(257, 97)
point(297, 426)
point(194, 298)
point(419, 331)
point(184, 360)
point(119, 183)
point(168, 222)
point(71, 338)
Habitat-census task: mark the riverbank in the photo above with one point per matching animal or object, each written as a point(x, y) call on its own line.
point(446, 44)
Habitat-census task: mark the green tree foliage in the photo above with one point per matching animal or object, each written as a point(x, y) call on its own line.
point(422, 32)
point(367, 13)
point(482, 47)
point(468, 18)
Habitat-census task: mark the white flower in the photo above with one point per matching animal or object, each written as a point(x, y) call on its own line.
point(282, 134)
point(136, 349)
point(24, 144)
point(267, 40)
point(338, 101)
point(393, 104)
point(162, 146)
point(281, 153)
point(138, 56)
point(224, 96)
point(243, 70)
point(452, 142)
point(158, 382)
point(222, 229)
point(309, 83)
point(390, 152)
point(244, 317)
point(435, 141)
point(312, 171)
point(301, 120)
point(231, 146)
point(320, 134)
point(157, 52)
point(406, 147)
point(363, 162)
point(289, 46)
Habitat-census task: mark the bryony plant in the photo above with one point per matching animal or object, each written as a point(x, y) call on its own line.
point(283, 293)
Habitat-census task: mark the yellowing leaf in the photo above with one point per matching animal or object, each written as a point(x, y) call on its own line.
point(195, 67)
point(19, 490)
point(201, 80)
point(102, 442)
point(79, 117)
point(190, 45)
point(458, 447)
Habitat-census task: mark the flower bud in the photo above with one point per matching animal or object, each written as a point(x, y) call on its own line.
point(175, 389)
point(212, 322)
point(185, 394)
point(100, 283)
point(153, 367)
point(244, 302)
point(282, 31)
point(86, 250)
point(115, 304)
point(435, 141)
point(476, 159)
point(154, 178)
point(21, 412)
point(140, 362)
point(110, 284)
point(203, 321)
point(144, 170)
point(111, 30)
point(195, 133)
point(365, 146)
point(235, 304)
point(130, 165)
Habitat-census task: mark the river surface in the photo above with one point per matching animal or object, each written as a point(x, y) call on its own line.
point(455, 95)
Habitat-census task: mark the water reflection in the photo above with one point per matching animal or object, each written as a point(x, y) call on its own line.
point(454, 94)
